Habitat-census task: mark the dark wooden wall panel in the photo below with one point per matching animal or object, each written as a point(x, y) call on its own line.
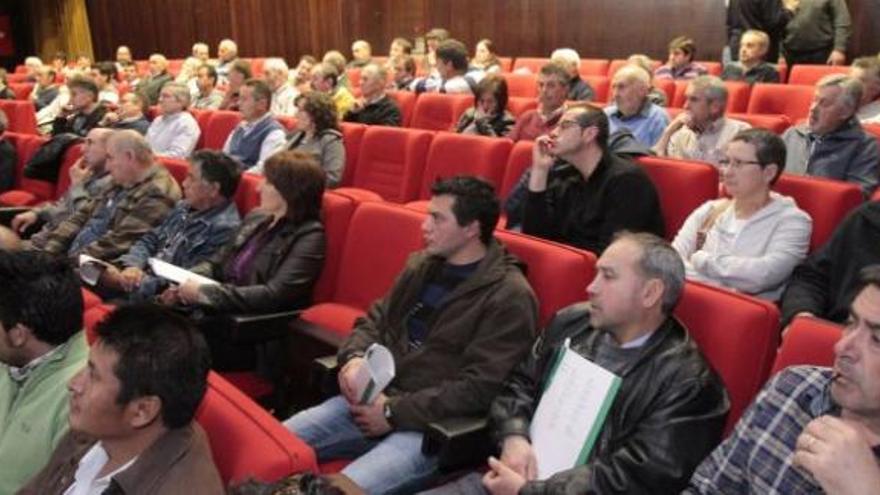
point(290, 28)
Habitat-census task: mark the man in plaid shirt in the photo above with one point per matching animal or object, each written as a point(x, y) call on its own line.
point(811, 430)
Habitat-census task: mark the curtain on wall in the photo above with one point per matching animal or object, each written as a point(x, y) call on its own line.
point(61, 25)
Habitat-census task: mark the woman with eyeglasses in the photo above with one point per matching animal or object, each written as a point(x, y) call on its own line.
point(751, 241)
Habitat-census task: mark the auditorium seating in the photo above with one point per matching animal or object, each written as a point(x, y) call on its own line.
point(22, 90)
point(177, 167)
point(25, 145)
point(21, 115)
point(351, 139)
point(667, 86)
point(406, 101)
point(618, 63)
point(682, 186)
point(73, 154)
point(455, 154)
point(810, 74)
point(714, 68)
point(594, 67)
point(826, 201)
point(601, 87)
point(439, 112)
point(775, 123)
point(786, 99)
point(220, 124)
point(521, 85)
point(808, 341)
point(247, 195)
point(518, 106)
point(738, 335)
point(518, 161)
point(336, 212)
point(531, 64)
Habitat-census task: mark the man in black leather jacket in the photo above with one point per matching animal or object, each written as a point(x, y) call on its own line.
point(669, 411)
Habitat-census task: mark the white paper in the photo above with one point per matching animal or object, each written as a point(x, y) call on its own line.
point(376, 373)
point(91, 268)
point(176, 274)
point(572, 406)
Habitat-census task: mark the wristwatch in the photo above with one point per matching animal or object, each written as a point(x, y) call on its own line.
point(386, 411)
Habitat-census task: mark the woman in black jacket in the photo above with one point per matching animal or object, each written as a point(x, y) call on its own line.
point(488, 116)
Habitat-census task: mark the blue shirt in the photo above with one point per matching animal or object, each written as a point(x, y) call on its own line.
point(646, 126)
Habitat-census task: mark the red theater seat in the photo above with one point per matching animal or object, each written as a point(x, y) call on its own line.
point(25, 146)
point(21, 114)
point(738, 334)
point(775, 123)
point(601, 87)
point(439, 112)
point(594, 66)
point(506, 63)
point(714, 68)
point(220, 124)
point(247, 195)
point(682, 185)
point(809, 75)
point(532, 64)
point(791, 100)
point(665, 85)
point(459, 154)
point(336, 212)
point(521, 85)
point(406, 101)
point(518, 161)
point(826, 201)
point(22, 90)
point(351, 139)
point(807, 341)
point(71, 156)
point(616, 64)
point(178, 167)
point(518, 106)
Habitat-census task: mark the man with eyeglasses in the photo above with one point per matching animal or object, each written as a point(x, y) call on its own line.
point(579, 193)
point(701, 131)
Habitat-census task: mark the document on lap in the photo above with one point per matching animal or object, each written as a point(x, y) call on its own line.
point(177, 274)
point(91, 268)
point(376, 373)
point(571, 412)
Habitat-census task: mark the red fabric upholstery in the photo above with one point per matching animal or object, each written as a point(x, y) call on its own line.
point(354, 78)
point(21, 114)
point(391, 161)
point(351, 139)
point(826, 201)
point(594, 66)
point(220, 124)
point(92, 316)
point(737, 95)
point(809, 75)
point(406, 101)
point(71, 156)
point(737, 334)
point(178, 167)
point(521, 85)
point(713, 67)
point(202, 118)
point(457, 154)
point(90, 299)
point(601, 87)
point(22, 90)
point(519, 105)
point(531, 63)
point(336, 212)
point(338, 318)
point(618, 63)
point(27, 191)
point(247, 195)
point(791, 100)
point(249, 383)
point(287, 121)
point(520, 158)
point(682, 185)
point(558, 274)
point(439, 112)
point(665, 85)
point(506, 63)
point(775, 123)
point(246, 441)
point(808, 341)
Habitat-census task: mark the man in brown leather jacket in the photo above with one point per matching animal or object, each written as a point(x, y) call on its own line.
point(131, 413)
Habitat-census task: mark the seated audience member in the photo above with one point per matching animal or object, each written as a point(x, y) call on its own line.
point(669, 411)
point(187, 72)
point(207, 96)
point(317, 133)
point(325, 79)
point(238, 73)
point(159, 77)
point(552, 92)
point(258, 135)
point(374, 107)
point(655, 95)
point(104, 74)
point(632, 109)
point(132, 410)
point(578, 89)
point(5, 92)
point(752, 67)
point(32, 66)
point(823, 285)
point(867, 70)
point(681, 65)
point(403, 69)
point(489, 115)
point(832, 143)
point(485, 58)
point(203, 222)
point(88, 180)
point(272, 262)
point(701, 131)
point(131, 114)
point(812, 429)
point(123, 57)
point(45, 90)
point(337, 60)
point(8, 156)
point(41, 311)
point(452, 76)
point(399, 47)
point(131, 75)
point(201, 52)
point(579, 193)
point(457, 320)
point(59, 62)
point(140, 197)
point(301, 76)
point(175, 132)
point(227, 56)
point(751, 242)
point(84, 111)
point(433, 38)
point(276, 74)
point(361, 55)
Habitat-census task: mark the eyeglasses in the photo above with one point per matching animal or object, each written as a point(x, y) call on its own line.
point(736, 164)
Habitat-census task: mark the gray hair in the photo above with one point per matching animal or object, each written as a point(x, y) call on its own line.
point(133, 141)
point(567, 56)
point(180, 91)
point(276, 64)
point(633, 73)
point(380, 71)
point(851, 88)
point(659, 260)
point(230, 45)
point(712, 87)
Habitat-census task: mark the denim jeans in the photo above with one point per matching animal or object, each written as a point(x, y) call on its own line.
point(391, 464)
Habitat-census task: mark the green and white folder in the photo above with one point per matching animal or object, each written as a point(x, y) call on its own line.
point(571, 412)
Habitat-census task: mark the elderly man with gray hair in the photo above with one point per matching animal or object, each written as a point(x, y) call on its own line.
point(159, 76)
point(175, 132)
point(832, 143)
point(227, 54)
point(276, 73)
point(632, 109)
point(578, 89)
point(701, 131)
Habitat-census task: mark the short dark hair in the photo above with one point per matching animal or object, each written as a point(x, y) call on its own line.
point(106, 69)
point(212, 72)
point(321, 108)
point(474, 200)
point(497, 86)
point(593, 116)
point(219, 168)
point(41, 292)
point(84, 83)
point(438, 34)
point(243, 67)
point(405, 45)
point(309, 58)
point(556, 69)
point(261, 90)
point(659, 260)
point(869, 275)
point(685, 44)
point(409, 63)
point(455, 52)
point(160, 353)
point(300, 180)
point(769, 148)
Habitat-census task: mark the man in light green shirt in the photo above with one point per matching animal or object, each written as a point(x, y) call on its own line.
point(41, 348)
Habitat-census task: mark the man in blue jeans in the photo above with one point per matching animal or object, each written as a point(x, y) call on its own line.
point(459, 317)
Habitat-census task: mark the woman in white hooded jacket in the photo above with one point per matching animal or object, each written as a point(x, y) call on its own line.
point(752, 241)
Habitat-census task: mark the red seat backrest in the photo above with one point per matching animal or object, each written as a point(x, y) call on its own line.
point(594, 66)
point(220, 124)
point(458, 154)
point(827, 202)
point(714, 68)
point(354, 78)
point(439, 112)
point(601, 87)
point(738, 335)
point(665, 85)
point(521, 85)
point(531, 63)
point(518, 161)
point(22, 90)
point(558, 274)
point(247, 194)
point(178, 167)
point(506, 63)
point(682, 186)
point(791, 100)
point(391, 161)
point(616, 64)
point(351, 139)
point(336, 212)
point(775, 123)
point(287, 121)
point(807, 341)
point(246, 441)
point(21, 115)
point(71, 155)
point(809, 75)
point(406, 102)
point(202, 118)
point(518, 105)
